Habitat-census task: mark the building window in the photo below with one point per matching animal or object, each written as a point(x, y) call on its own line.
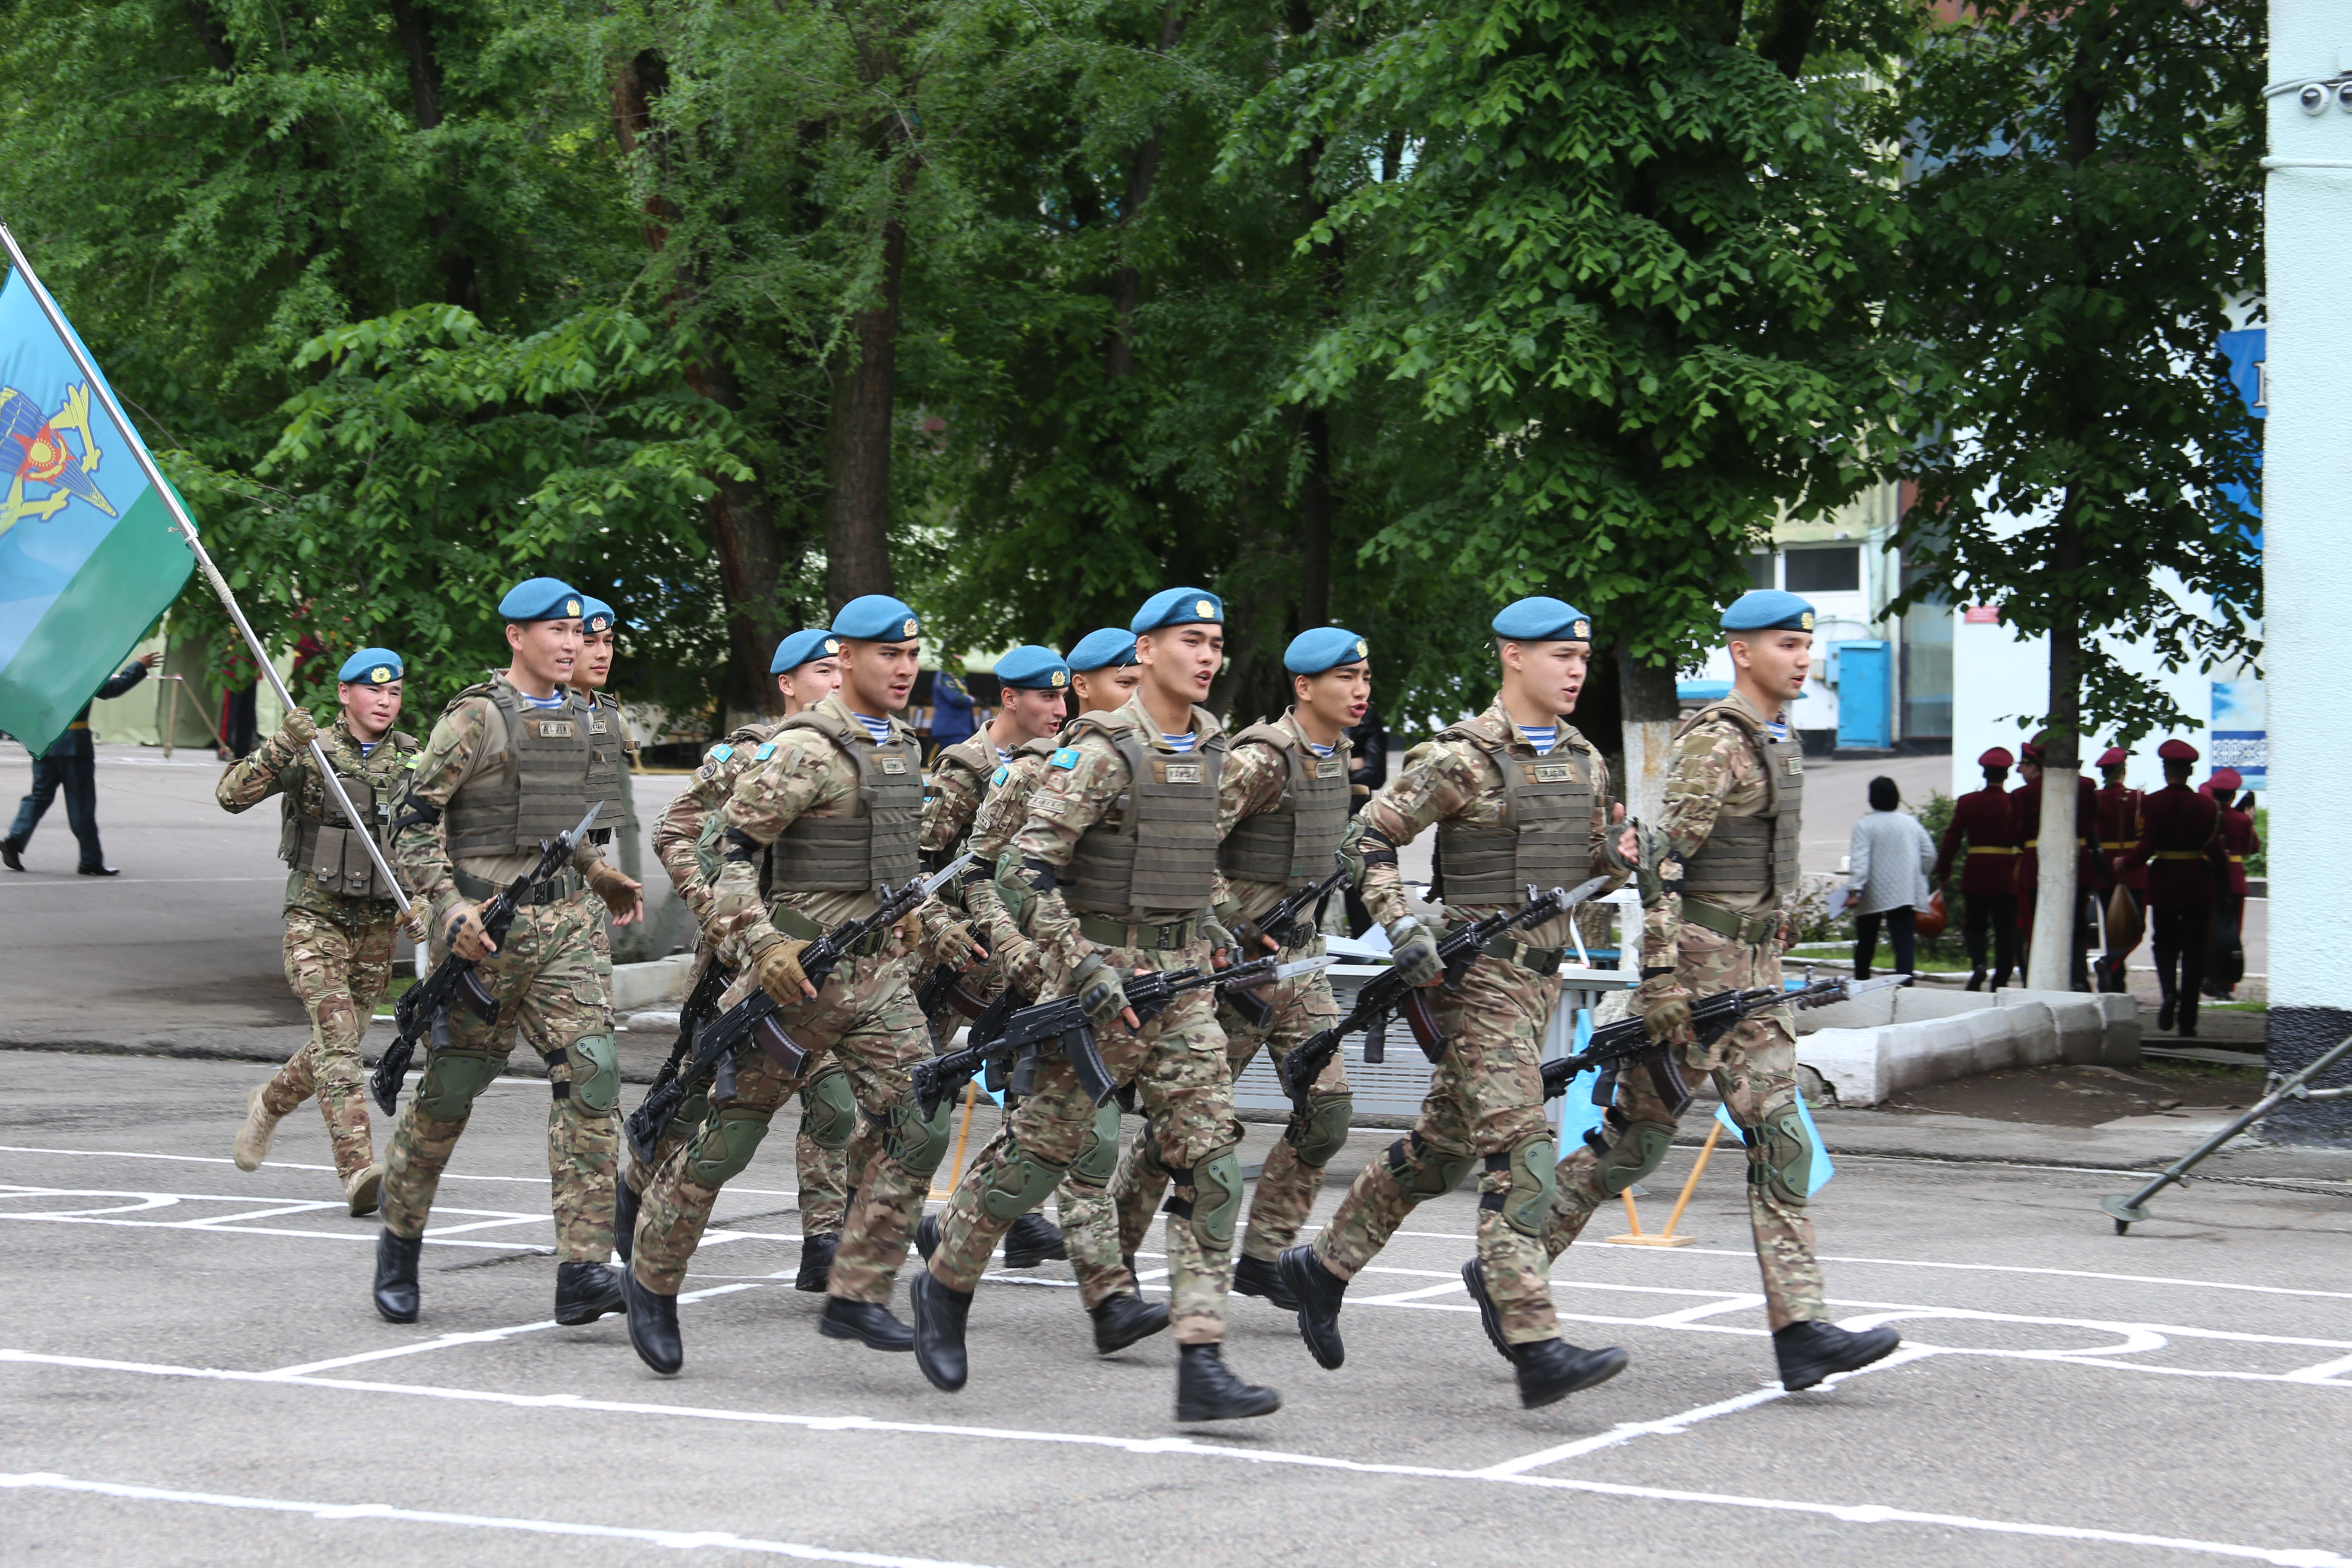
point(1759, 572)
point(1828, 569)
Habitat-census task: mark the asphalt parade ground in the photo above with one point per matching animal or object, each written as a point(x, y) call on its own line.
point(191, 1373)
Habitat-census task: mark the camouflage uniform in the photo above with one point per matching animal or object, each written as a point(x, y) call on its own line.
point(1177, 1060)
point(686, 840)
point(1717, 782)
point(484, 752)
point(1508, 815)
point(1258, 783)
point(808, 791)
point(338, 941)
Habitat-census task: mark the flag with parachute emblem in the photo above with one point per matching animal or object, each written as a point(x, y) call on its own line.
point(87, 558)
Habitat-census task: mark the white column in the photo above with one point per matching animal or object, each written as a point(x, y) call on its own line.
point(2307, 561)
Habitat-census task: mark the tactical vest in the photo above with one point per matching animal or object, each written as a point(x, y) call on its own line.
point(1753, 856)
point(708, 849)
point(975, 754)
point(1545, 835)
point(557, 760)
point(875, 839)
point(1293, 843)
point(321, 844)
point(1155, 849)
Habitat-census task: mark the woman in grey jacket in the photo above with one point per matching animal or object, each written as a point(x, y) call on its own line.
point(1887, 869)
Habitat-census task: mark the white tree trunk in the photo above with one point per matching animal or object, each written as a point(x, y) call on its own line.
point(2048, 962)
point(1647, 746)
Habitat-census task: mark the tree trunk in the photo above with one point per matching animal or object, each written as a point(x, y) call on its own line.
point(857, 439)
point(2049, 962)
point(461, 279)
point(1647, 700)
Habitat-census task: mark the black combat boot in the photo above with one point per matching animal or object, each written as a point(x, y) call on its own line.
point(1207, 1389)
point(1551, 1370)
point(653, 1326)
point(927, 1236)
point(1122, 1319)
point(868, 1323)
point(1809, 1353)
point(1256, 1277)
point(817, 1261)
point(626, 1199)
point(2164, 1016)
point(1317, 1292)
point(1033, 1240)
point(940, 1315)
point(396, 1277)
point(1976, 979)
point(1473, 1279)
point(586, 1291)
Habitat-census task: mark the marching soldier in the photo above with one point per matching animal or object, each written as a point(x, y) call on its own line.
point(340, 918)
point(1716, 895)
point(688, 841)
point(2118, 832)
point(1981, 823)
point(2180, 845)
point(2091, 874)
point(1282, 808)
point(1117, 870)
point(599, 636)
point(838, 793)
point(512, 762)
point(1519, 797)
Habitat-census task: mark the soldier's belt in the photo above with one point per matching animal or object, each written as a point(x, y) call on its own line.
point(1508, 949)
point(2118, 844)
point(792, 923)
point(1164, 937)
point(1748, 930)
point(2237, 860)
point(554, 891)
point(2180, 855)
point(1993, 849)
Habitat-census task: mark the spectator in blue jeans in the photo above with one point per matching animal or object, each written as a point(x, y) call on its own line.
point(71, 764)
point(1888, 868)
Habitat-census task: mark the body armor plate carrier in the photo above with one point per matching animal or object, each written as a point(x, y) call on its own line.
point(328, 851)
point(875, 840)
point(1155, 851)
point(1545, 833)
point(1753, 854)
point(1293, 843)
point(557, 760)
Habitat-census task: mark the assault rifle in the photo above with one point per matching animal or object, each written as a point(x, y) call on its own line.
point(425, 1005)
point(755, 1016)
point(1284, 924)
point(1615, 1047)
point(700, 1005)
point(1013, 1050)
point(1386, 995)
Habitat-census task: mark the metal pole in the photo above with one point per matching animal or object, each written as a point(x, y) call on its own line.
point(171, 716)
point(187, 531)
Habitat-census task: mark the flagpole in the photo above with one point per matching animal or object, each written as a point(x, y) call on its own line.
point(187, 531)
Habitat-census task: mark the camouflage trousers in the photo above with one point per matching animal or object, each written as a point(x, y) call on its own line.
point(340, 972)
point(1485, 1103)
point(550, 989)
point(1082, 1203)
point(864, 1020)
point(1303, 1005)
point(1754, 1067)
point(1177, 1062)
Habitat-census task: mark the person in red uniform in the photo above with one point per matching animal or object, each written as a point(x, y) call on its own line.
point(2118, 832)
point(2225, 965)
point(2092, 876)
point(2180, 845)
point(1989, 880)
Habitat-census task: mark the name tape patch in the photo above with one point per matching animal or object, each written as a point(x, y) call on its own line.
point(555, 729)
point(894, 765)
point(1327, 767)
point(1554, 772)
point(596, 726)
point(1183, 773)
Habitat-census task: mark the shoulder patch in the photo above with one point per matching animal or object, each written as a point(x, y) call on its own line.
point(1063, 757)
point(1004, 770)
point(720, 754)
point(767, 749)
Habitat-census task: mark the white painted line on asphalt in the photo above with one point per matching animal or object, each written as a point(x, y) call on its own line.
point(1393, 1296)
point(1705, 1309)
point(1863, 1513)
point(675, 1540)
point(479, 1337)
point(291, 1165)
point(2323, 1373)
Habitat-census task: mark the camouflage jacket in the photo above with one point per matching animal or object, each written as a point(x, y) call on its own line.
point(1713, 768)
point(686, 836)
point(960, 780)
point(1003, 811)
point(1082, 783)
point(1453, 780)
point(1251, 784)
point(798, 772)
point(276, 767)
point(456, 751)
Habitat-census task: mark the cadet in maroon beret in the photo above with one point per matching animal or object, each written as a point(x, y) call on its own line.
point(2180, 845)
point(1981, 823)
point(2118, 831)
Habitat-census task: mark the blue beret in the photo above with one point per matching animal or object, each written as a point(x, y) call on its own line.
point(812, 643)
point(1108, 647)
point(542, 599)
point(1768, 610)
point(595, 617)
point(1312, 653)
point(1543, 620)
point(371, 667)
point(1178, 607)
point(1033, 668)
point(876, 617)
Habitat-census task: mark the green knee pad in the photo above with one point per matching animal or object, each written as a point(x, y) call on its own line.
point(726, 1145)
point(1633, 1154)
point(1523, 1203)
point(451, 1079)
point(595, 1072)
point(828, 1110)
point(1099, 1158)
point(1216, 1202)
point(915, 1143)
point(1425, 1171)
point(1323, 1131)
point(1019, 1183)
point(1780, 1157)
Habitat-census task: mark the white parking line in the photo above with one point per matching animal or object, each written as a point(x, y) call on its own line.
point(481, 1337)
point(677, 1540)
point(294, 1166)
point(1849, 1513)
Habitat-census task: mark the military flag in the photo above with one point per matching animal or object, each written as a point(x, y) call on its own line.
point(88, 557)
